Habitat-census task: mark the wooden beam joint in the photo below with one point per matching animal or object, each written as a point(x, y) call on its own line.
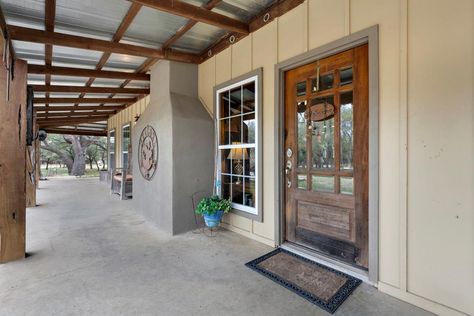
point(198, 14)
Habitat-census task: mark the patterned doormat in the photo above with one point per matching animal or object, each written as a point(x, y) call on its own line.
point(319, 284)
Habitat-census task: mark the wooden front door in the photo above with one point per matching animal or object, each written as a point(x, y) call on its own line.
point(326, 156)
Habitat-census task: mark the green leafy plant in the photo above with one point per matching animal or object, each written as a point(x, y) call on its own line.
point(213, 204)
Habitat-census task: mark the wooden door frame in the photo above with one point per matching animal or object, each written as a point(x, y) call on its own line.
point(369, 36)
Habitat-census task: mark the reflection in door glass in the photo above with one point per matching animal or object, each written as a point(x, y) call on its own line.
point(325, 82)
point(302, 127)
point(346, 76)
point(347, 136)
point(323, 183)
point(301, 88)
point(302, 181)
point(347, 185)
point(323, 137)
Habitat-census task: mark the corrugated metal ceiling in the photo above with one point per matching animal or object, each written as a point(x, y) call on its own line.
point(100, 19)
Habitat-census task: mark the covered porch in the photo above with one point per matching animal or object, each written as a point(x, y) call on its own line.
point(97, 256)
point(338, 133)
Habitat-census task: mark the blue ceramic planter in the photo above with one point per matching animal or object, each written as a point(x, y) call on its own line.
point(213, 220)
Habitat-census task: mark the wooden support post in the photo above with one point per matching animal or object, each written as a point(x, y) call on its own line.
point(12, 160)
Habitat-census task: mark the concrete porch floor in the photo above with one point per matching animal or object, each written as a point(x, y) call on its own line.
point(91, 254)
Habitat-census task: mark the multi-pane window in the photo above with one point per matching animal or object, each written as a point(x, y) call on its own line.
point(111, 143)
point(324, 121)
point(125, 145)
point(237, 122)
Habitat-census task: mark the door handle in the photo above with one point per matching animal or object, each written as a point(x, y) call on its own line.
point(288, 167)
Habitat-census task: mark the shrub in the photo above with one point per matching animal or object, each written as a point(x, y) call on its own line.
point(213, 204)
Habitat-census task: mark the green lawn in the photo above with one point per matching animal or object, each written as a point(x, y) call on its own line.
point(325, 184)
point(54, 171)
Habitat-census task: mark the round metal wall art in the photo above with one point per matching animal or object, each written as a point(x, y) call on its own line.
point(148, 152)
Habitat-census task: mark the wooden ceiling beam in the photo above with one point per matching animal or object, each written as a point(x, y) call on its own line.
point(81, 107)
point(208, 6)
point(124, 25)
point(80, 132)
point(279, 8)
point(71, 121)
point(73, 114)
point(44, 88)
point(84, 100)
point(79, 72)
point(49, 17)
point(147, 64)
point(38, 36)
point(198, 14)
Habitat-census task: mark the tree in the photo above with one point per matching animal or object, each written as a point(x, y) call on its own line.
point(71, 150)
point(49, 157)
point(97, 152)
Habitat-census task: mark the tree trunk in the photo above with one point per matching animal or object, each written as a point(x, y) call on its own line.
point(79, 165)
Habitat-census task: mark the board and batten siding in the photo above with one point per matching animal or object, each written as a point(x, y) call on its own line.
point(121, 118)
point(426, 138)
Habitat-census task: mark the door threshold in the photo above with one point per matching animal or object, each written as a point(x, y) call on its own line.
point(329, 262)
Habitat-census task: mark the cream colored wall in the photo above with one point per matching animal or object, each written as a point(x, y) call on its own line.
point(121, 118)
point(441, 152)
point(426, 139)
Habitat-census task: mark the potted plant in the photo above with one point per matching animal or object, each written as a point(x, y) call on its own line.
point(212, 209)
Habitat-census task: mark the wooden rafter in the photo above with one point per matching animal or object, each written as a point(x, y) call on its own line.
point(198, 14)
point(50, 15)
point(82, 107)
point(124, 25)
point(75, 114)
point(279, 8)
point(45, 88)
point(84, 100)
point(147, 64)
point(208, 6)
point(79, 72)
point(69, 121)
point(81, 131)
point(38, 36)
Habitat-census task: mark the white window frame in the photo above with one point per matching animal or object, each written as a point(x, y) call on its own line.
point(123, 151)
point(109, 152)
point(256, 212)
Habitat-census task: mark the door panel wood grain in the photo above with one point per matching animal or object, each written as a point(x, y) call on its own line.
point(326, 156)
